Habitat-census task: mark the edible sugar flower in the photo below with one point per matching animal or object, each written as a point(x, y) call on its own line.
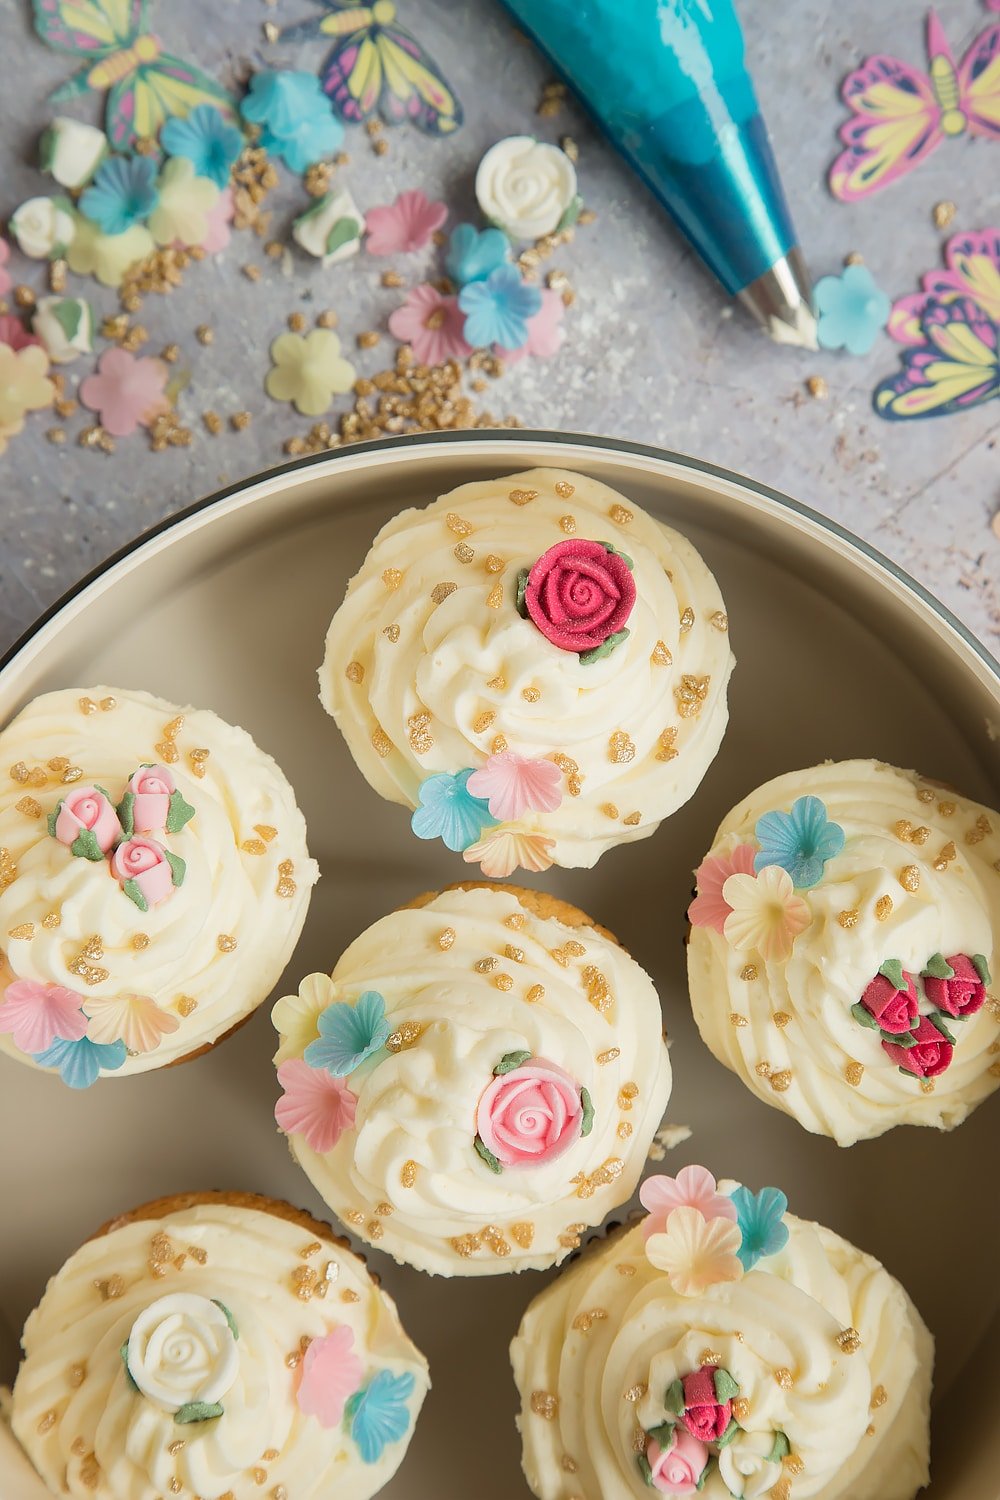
point(314, 1105)
point(24, 385)
point(677, 1468)
point(852, 310)
point(107, 256)
point(957, 985)
point(125, 391)
point(379, 1415)
point(308, 371)
point(766, 914)
point(66, 327)
point(433, 324)
point(695, 1252)
point(761, 1220)
point(348, 1034)
point(72, 151)
point(405, 225)
point(296, 118)
point(206, 139)
point(709, 908)
point(122, 193)
point(296, 1017)
point(545, 331)
point(448, 811)
point(503, 850)
point(35, 1015)
point(43, 227)
point(800, 841)
point(80, 1061)
point(497, 310)
point(186, 201)
point(693, 1187)
point(217, 221)
point(330, 1373)
point(750, 1465)
point(15, 334)
point(514, 784)
point(929, 1053)
point(136, 1020)
point(473, 253)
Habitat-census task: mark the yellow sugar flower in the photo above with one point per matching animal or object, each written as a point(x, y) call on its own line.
point(107, 256)
point(695, 1252)
point(296, 1017)
point(23, 386)
point(135, 1020)
point(186, 200)
point(767, 913)
point(309, 371)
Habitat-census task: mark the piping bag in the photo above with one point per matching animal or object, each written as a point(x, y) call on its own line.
point(667, 83)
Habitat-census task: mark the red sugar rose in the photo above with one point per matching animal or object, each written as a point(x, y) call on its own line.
point(705, 1416)
point(895, 1010)
point(929, 1055)
point(963, 994)
point(578, 594)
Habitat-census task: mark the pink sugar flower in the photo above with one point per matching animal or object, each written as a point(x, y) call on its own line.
point(514, 784)
point(709, 908)
point(531, 1115)
point(5, 277)
point(432, 324)
point(693, 1187)
point(314, 1105)
point(13, 331)
point(404, 225)
point(125, 391)
point(677, 1468)
point(331, 1372)
point(36, 1015)
point(545, 333)
point(218, 219)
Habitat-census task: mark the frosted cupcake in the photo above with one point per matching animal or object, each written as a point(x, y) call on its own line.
point(842, 940)
point(154, 880)
point(216, 1344)
point(723, 1347)
point(534, 666)
point(477, 1083)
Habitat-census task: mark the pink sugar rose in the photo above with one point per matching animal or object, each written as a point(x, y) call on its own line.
point(152, 788)
point(578, 594)
point(531, 1115)
point(894, 1010)
point(964, 993)
point(710, 908)
point(677, 1469)
point(330, 1373)
point(84, 810)
point(705, 1417)
point(930, 1055)
point(143, 864)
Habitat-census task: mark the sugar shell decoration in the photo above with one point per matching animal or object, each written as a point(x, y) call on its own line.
point(224, 1345)
point(534, 666)
point(708, 1350)
point(153, 880)
point(842, 944)
point(476, 1083)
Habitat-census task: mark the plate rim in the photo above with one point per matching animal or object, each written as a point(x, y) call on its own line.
point(545, 436)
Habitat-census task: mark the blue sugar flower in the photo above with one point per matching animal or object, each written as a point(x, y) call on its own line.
point(448, 811)
point(473, 253)
point(296, 117)
point(208, 141)
point(378, 1413)
point(760, 1218)
point(348, 1034)
point(80, 1063)
point(852, 310)
point(497, 310)
point(800, 842)
point(122, 193)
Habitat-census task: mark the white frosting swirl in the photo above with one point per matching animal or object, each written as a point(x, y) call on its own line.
point(525, 186)
point(209, 953)
point(474, 976)
point(182, 1349)
point(92, 1436)
point(934, 855)
point(419, 686)
point(597, 1350)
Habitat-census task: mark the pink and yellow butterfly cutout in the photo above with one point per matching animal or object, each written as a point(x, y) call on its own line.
point(377, 66)
point(144, 83)
point(901, 115)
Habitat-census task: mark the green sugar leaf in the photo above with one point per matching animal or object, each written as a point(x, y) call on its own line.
point(85, 846)
point(487, 1156)
point(781, 1448)
point(342, 233)
point(938, 967)
point(68, 314)
point(228, 1317)
point(54, 816)
point(126, 814)
point(982, 968)
point(892, 970)
point(132, 891)
point(509, 1062)
point(645, 1470)
point(522, 584)
point(725, 1386)
point(199, 1411)
point(123, 1351)
point(179, 812)
point(938, 1019)
point(178, 867)
point(729, 1433)
point(587, 1123)
point(604, 649)
point(674, 1399)
point(864, 1016)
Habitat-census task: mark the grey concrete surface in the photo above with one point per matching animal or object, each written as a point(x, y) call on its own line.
point(652, 351)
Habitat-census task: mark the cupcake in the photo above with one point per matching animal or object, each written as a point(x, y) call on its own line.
point(534, 666)
point(154, 880)
point(843, 934)
point(724, 1347)
point(478, 1082)
point(216, 1345)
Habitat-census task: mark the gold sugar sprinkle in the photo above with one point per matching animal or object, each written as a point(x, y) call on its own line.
point(735, 1019)
point(498, 684)
point(464, 553)
point(943, 213)
point(781, 1490)
point(849, 919)
point(883, 908)
point(186, 1004)
point(994, 1072)
point(28, 807)
point(687, 620)
point(853, 1072)
point(948, 853)
point(783, 1376)
point(946, 809)
point(625, 1269)
point(780, 1081)
point(72, 773)
point(485, 965)
point(666, 746)
point(661, 655)
point(794, 1463)
point(495, 564)
point(504, 982)
point(569, 1465)
point(879, 1397)
point(691, 694)
point(405, 1035)
point(924, 794)
point(979, 830)
point(440, 591)
point(47, 1422)
point(457, 525)
point(87, 705)
point(22, 930)
point(198, 1254)
point(176, 1447)
point(78, 1447)
point(494, 598)
point(51, 919)
point(709, 1357)
point(536, 993)
point(531, 694)
point(748, 973)
point(621, 749)
point(516, 955)
point(483, 721)
point(849, 1340)
point(626, 1094)
point(608, 1056)
point(920, 835)
point(635, 1392)
point(381, 743)
point(77, 1375)
point(446, 938)
point(383, 1210)
point(522, 1233)
point(741, 1409)
point(609, 810)
point(609, 1171)
point(464, 1245)
point(253, 846)
point(391, 633)
point(620, 514)
point(348, 1296)
point(198, 759)
point(763, 1069)
point(225, 943)
point(522, 497)
point(418, 733)
point(909, 878)
point(624, 1130)
point(719, 620)
point(354, 1216)
point(354, 672)
point(392, 578)
point(817, 387)
point(781, 1018)
point(632, 819)
point(568, 524)
point(375, 1230)
point(564, 489)
point(516, 920)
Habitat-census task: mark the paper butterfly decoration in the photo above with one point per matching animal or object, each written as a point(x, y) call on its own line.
point(376, 65)
point(145, 83)
point(901, 115)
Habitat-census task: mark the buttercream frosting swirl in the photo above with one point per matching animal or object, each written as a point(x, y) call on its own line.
point(475, 987)
point(918, 876)
point(222, 916)
point(244, 1292)
point(824, 1345)
point(430, 667)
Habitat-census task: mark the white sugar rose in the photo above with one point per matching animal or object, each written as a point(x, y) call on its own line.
point(43, 227)
point(331, 229)
point(65, 326)
point(527, 188)
point(746, 1467)
point(182, 1350)
point(71, 151)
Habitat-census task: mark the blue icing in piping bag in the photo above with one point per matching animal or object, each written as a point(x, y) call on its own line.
point(667, 83)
